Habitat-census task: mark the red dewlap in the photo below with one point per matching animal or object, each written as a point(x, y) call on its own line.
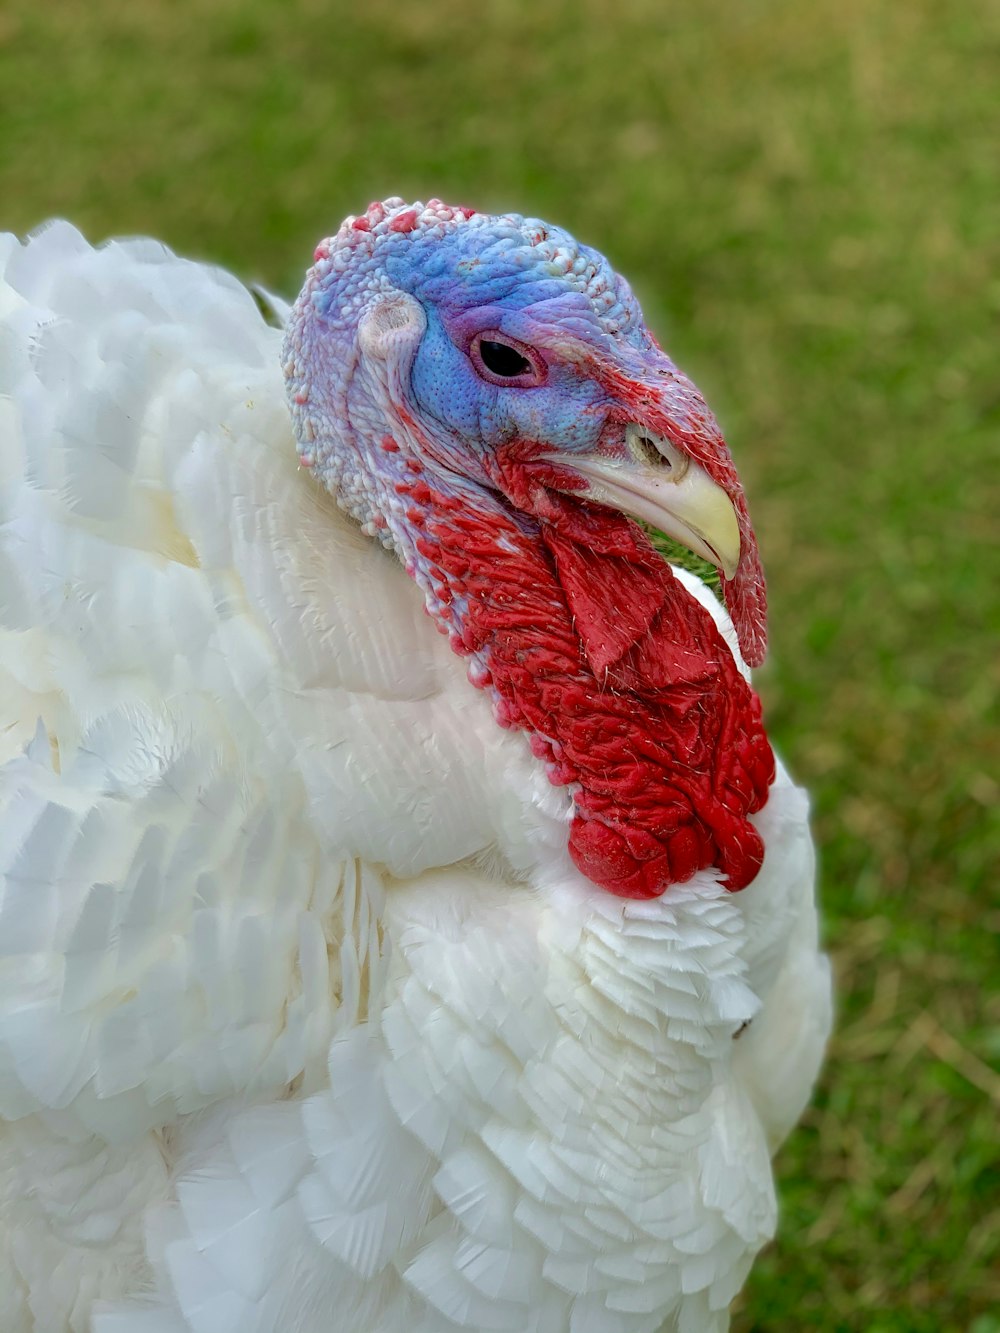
point(624, 682)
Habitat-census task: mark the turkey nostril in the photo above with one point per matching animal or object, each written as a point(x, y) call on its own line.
point(656, 452)
point(649, 449)
point(651, 454)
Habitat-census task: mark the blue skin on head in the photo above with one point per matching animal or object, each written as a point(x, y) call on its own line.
point(478, 280)
point(560, 411)
point(485, 275)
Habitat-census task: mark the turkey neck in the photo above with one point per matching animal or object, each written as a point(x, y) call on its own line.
point(587, 641)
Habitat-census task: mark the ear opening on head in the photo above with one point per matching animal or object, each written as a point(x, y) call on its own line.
point(392, 320)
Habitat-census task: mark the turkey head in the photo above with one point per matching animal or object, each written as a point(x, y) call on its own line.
point(483, 395)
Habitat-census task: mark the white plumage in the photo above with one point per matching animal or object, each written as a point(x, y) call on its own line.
point(307, 1021)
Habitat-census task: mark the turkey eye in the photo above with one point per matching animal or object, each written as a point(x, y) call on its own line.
point(499, 359)
point(505, 361)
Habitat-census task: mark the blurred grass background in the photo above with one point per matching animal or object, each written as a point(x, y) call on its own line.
point(807, 198)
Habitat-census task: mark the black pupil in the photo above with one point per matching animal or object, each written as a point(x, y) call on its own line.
point(503, 360)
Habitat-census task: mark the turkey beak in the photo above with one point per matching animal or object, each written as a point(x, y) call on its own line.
point(658, 484)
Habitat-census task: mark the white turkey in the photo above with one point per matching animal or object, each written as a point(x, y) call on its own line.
point(405, 926)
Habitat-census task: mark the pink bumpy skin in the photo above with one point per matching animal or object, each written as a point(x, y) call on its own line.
point(481, 393)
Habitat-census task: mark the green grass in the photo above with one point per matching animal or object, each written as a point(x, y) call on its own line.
point(806, 197)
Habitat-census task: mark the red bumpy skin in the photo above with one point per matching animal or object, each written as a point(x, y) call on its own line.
point(625, 684)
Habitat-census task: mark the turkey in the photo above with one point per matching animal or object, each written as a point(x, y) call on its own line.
point(405, 925)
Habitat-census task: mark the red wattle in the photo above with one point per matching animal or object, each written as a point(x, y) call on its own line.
point(622, 680)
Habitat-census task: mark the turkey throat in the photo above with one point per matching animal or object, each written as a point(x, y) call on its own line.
point(629, 694)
